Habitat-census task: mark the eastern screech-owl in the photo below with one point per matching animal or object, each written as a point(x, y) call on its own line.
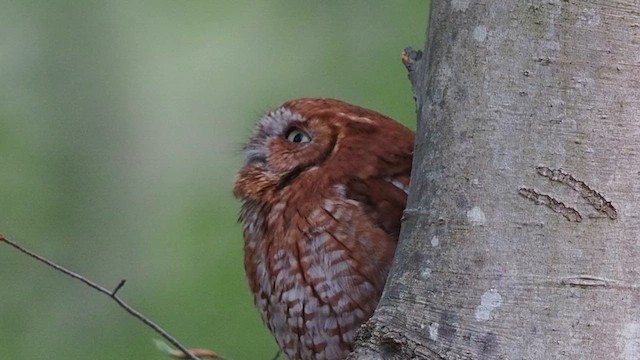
point(323, 188)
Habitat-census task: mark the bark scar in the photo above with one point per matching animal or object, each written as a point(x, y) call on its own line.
point(586, 281)
point(538, 198)
point(594, 198)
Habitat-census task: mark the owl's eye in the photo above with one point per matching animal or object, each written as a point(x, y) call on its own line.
point(296, 135)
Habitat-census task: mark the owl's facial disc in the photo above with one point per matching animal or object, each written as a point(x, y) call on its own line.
point(270, 127)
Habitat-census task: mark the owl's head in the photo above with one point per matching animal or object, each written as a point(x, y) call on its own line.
point(320, 138)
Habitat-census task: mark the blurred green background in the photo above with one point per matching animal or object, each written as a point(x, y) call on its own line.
point(121, 127)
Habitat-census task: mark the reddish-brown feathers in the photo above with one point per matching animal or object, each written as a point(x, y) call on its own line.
point(323, 188)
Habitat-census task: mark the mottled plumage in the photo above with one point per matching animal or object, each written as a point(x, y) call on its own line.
point(323, 188)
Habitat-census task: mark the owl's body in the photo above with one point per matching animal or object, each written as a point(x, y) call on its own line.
point(323, 189)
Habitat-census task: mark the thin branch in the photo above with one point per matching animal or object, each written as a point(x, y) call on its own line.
point(109, 293)
point(115, 291)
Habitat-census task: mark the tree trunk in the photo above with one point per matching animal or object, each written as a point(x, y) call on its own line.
point(520, 238)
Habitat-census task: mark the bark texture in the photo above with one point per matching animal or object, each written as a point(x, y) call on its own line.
point(520, 239)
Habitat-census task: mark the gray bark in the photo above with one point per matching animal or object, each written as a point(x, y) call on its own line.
point(520, 238)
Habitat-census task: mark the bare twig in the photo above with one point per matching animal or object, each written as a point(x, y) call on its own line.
point(109, 293)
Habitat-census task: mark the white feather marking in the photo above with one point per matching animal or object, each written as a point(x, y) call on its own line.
point(359, 314)
point(277, 208)
point(399, 184)
point(333, 350)
point(263, 277)
point(316, 272)
point(345, 319)
point(295, 309)
point(292, 295)
point(329, 205)
point(361, 119)
point(316, 216)
point(311, 306)
point(319, 242)
point(280, 261)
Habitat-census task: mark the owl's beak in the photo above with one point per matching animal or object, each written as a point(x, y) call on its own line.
point(254, 156)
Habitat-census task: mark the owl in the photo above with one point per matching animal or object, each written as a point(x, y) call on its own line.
point(323, 187)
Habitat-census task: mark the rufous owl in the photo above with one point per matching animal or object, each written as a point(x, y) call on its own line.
point(323, 188)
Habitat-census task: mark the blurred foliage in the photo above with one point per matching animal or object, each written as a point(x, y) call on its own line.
point(121, 125)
